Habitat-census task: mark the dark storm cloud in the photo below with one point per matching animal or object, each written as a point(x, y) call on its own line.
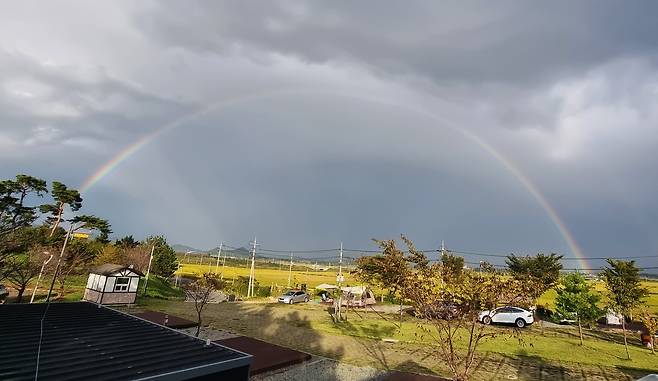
point(318, 140)
point(445, 42)
point(478, 52)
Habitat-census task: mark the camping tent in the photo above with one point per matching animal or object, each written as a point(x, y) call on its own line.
point(324, 286)
point(358, 296)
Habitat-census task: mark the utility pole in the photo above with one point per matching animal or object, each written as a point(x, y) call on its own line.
point(339, 281)
point(250, 289)
point(443, 252)
point(219, 254)
point(223, 266)
point(290, 271)
point(148, 269)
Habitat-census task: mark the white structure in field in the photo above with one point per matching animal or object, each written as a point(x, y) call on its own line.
point(613, 318)
point(112, 284)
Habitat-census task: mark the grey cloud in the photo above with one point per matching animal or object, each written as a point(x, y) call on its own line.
point(473, 41)
point(43, 104)
point(499, 55)
point(565, 91)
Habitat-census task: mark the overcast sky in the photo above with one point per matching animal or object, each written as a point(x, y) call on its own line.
point(308, 124)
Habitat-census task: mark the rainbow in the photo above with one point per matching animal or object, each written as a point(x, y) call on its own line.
point(131, 149)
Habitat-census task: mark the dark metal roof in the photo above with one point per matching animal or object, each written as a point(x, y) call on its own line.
point(82, 341)
point(110, 268)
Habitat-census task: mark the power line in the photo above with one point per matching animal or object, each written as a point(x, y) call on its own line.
point(285, 254)
point(300, 251)
point(563, 258)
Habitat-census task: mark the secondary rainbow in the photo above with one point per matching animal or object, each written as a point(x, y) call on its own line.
point(131, 149)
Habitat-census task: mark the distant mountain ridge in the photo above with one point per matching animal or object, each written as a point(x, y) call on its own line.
point(239, 252)
point(184, 248)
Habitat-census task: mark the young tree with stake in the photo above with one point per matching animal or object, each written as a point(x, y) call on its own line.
point(622, 279)
point(449, 298)
point(200, 292)
point(576, 300)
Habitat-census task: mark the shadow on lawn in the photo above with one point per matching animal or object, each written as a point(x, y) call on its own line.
point(532, 367)
point(292, 330)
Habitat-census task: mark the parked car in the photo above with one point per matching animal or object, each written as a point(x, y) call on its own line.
point(508, 315)
point(294, 296)
point(4, 293)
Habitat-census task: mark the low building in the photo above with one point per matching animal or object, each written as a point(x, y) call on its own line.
point(86, 341)
point(112, 284)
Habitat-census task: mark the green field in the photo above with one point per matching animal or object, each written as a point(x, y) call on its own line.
point(651, 301)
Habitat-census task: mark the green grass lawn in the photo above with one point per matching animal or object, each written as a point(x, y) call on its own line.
point(158, 287)
point(310, 328)
point(600, 348)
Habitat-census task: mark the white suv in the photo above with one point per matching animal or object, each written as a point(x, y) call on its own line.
point(508, 315)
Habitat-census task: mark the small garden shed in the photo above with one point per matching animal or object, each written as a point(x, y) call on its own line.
point(112, 284)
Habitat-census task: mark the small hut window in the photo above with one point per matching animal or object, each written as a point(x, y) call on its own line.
point(121, 284)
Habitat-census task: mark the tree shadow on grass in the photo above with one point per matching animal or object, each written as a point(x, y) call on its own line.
point(524, 366)
point(279, 325)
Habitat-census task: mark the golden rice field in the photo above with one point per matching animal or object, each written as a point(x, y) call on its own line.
point(269, 276)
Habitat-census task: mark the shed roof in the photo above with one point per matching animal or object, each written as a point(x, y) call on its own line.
point(111, 268)
point(83, 341)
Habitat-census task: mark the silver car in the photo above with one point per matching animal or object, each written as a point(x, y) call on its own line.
point(294, 296)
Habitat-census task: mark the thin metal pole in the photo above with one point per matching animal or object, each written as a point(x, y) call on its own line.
point(219, 254)
point(39, 278)
point(250, 290)
point(148, 269)
point(59, 261)
point(223, 266)
point(290, 271)
point(339, 281)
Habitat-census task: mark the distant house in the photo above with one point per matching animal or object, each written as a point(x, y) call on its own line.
point(112, 284)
